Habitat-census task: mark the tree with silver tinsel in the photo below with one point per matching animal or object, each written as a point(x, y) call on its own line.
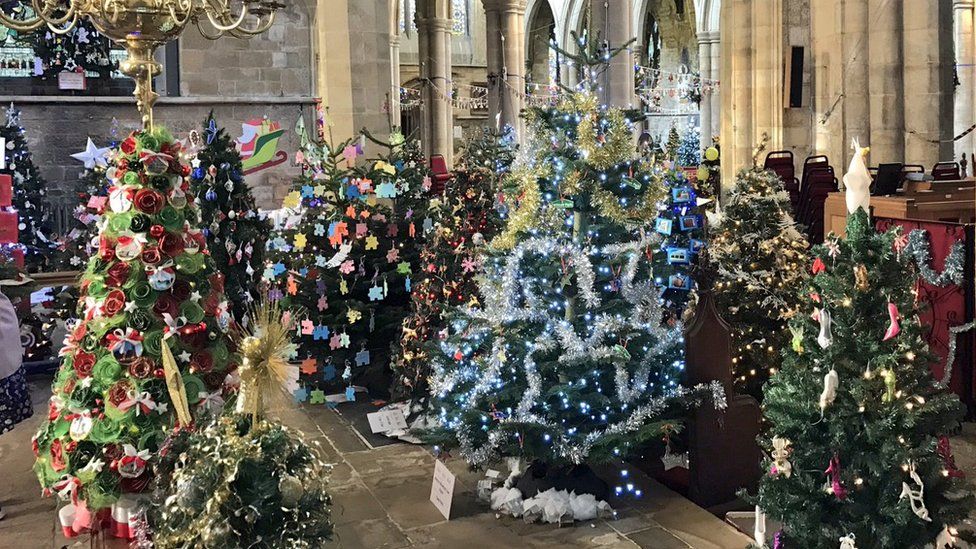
point(689, 149)
point(569, 360)
point(30, 193)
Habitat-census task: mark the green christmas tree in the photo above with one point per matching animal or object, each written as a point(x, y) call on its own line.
point(760, 258)
point(30, 194)
point(854, 416)
point(346, 257)
point(236, 231)
point(151, 341)
point(464, 218)
point(82, 48)
point(570, 359)
point(689, 150)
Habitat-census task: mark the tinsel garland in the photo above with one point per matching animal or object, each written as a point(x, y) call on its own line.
point(617, 142)
point(524, 217)
point(951, 355)
point(919, 250)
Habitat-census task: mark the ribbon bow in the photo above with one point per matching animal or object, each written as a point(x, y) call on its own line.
point(142, 401)
point(129, 238)
point(133, 463)
point(147, 157)
point(130, 336)
point(67, 488)
point(173, 325)
point(166, 267)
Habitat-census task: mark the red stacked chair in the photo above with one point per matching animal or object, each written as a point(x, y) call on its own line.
point(781, 163)
point(820, 181)
point(946, 171)
point(441, 175)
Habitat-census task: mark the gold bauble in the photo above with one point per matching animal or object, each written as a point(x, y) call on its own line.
point(711, 154)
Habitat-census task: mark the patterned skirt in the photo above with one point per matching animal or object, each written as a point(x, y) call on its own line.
point(15, 402)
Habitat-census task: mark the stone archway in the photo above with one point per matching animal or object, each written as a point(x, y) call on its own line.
point(540, 31)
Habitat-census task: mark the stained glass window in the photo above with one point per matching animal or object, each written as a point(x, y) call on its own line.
point(459, 13)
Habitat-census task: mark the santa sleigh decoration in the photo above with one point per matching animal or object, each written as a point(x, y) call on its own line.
point(259, 145)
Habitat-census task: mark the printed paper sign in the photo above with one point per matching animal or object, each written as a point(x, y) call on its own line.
point(386, 420)
point(442, 490)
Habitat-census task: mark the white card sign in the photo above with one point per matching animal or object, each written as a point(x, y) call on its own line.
point(71, 80)
point(442, 489)
point(3, 153)
point(387, 420)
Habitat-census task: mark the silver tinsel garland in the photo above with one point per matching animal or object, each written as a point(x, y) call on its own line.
point(951, 356)
point(919, 250)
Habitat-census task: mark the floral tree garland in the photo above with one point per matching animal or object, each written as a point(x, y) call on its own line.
point(151, 342)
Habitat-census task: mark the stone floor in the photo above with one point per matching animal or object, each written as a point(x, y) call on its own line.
point(381, 501)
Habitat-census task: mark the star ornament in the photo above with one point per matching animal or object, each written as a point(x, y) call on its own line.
point(92, 156)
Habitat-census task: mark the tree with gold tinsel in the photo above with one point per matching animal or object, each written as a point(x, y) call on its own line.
point(464, 217)
point(242, 480)
point(236, 231)
point(760, 258)
point(570, 359)
point(151, 341)
point(856, 422)
point(346, 254)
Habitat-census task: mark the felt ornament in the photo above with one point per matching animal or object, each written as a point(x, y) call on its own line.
point(857, 180)
point(893, 327)
point(781, 451)
point(829, 394)
point(825, 338)
point(916, 497)
point(834, 485)
point(861, 278)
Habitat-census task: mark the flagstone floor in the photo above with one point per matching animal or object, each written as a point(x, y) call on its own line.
point(381, 500)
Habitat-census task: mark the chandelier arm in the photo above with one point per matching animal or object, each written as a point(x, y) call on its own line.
point(243, 32)
point(25, 25)
point(205, 33)
point(66, 28)
point(49, 18)
point(172, 13)
point(227, 28)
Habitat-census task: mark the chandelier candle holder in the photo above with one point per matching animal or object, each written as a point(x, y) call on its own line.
point(141, 26)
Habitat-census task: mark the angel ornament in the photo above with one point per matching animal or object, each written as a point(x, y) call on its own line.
point(915, 497)
point(857, 180)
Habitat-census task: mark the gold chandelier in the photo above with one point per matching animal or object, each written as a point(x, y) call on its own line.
point(141, 26)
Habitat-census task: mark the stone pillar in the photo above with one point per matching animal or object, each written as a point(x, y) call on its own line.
point(494, 57)
point(613, 21)
point(767, 52)
point(886, 88)
point(705, 70)
point(715, 99)
point(395, 79)
point(738, 137)
point(924, 84)
point(856, 102)
point(964, 115)
point(434, 35)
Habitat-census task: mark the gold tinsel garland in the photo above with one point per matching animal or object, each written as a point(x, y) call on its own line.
point(617, 142)
point(525, 216)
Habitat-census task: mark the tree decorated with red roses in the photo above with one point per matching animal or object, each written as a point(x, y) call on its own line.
point(150, 288)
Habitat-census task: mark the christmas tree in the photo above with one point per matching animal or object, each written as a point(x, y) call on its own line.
point(236, 231)
point(151, 341)
point(689, 149)
point(244, 480)
point(855, 418)
point(679, 226)
point(30, 193)
point(464, 217)
point(81, 49)
point(570, 359)
point(760, 258)
point(346, 257)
